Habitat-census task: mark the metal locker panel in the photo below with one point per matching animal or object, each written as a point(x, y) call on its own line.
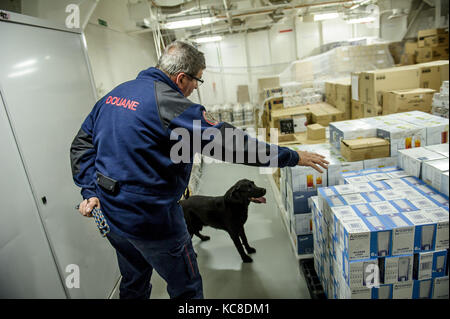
point(27, 267)
point(47, 90)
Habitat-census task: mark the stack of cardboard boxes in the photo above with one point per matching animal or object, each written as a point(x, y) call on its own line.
point(368, 88)
point(338, 94)
point(432, 45)
point(382, 235)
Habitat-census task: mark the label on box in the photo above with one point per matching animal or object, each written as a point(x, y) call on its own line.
point(441, 217)
point(402, 237)
point(440, 288)
point(398, 269)
point(423, 203)
point(390, 194)
point(353, 199)
point(384, 208)
point(403, 290)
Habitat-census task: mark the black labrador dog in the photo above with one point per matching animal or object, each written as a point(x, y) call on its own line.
point(228, 212)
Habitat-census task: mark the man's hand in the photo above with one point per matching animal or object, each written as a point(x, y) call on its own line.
point(88, 205)
point(313, 160)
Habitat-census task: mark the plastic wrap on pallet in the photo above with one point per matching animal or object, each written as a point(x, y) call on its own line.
point(338, 62)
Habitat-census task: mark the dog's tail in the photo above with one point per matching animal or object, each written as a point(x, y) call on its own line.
point(187, 193)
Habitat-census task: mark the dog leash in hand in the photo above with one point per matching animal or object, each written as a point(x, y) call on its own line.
point(100, 220)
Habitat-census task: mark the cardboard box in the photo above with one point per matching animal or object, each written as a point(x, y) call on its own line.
point(436, 40)
point(440, 288)
point(363, 149)
point(330, 92)
point(424, 231)
point(432, 74)
point(343, 99)
point(408, 59)
point(357, 110)
point(350, 130)
point(422, 34)
point(324, 114)
point(266, 83)
point(407, 100)
point(370, 110)
point(315, 132)
point(243, 95)
point(373, 82)
point(410, 48)
point(424, 54)
point(439, 53)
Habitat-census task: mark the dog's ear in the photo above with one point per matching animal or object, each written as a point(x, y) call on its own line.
point(234, 195)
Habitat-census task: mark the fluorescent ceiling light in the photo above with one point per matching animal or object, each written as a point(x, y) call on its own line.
point(362, 20)
point(208, 39)
point(189, 23)
point(326, 16)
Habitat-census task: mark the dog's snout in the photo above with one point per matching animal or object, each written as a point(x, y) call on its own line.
point(264, 191)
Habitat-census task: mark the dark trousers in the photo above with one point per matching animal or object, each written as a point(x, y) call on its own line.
point(174, 260)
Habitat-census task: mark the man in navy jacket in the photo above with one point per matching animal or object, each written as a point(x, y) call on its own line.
point(122, 158)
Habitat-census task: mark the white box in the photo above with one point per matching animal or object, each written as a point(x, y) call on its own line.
point(398, 269)
point(439, 148)
point(436, 129)
point(432, 172)
point(356, 239)
point(445, 183)
point(402, 235)
point(402, 290)
point(441, 217)
point(380, 162)
point(349, 130)
point(360, 273)
point(424, 230)
point(440, 288)
point(411, 159)
point(303, 223)
point(403, 136)
point(424, 263)
point(307, 179)
point(384, 208)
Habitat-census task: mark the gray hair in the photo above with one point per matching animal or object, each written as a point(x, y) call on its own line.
point(179, 57)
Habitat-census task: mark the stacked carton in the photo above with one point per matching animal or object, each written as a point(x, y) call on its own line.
point(432, 45)
point(440, 101)
point(382, 235)
point(402, 130)
point(338, 94)
point(298, 184)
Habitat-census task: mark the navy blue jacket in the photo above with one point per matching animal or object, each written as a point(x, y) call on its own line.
point(126, 137)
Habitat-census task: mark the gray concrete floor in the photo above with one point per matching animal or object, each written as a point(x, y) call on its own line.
point(274, 273)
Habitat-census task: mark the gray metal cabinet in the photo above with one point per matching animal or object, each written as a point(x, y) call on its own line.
point(47, 91)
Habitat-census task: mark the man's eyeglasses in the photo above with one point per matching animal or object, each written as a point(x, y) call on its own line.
point(199, 81)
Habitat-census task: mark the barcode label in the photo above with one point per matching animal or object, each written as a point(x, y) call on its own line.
point(355, 225)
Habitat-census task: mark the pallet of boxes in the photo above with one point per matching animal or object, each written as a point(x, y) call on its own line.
point(432, 45)
point(398, 89)
point(381, 231)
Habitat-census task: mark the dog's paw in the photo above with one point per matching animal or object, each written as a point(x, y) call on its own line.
point(205, 238)
point(251, 250)
point(247, 259)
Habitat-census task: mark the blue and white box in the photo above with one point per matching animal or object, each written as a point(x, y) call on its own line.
point(439, 263)
point(423, 265)
point(423, 289)
point(380, 236)
point(403, 290)
point(440, 288)
point(398, 269)
point(402, 235)
point(440, 217)
point(382, 292)
point(424, 231)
